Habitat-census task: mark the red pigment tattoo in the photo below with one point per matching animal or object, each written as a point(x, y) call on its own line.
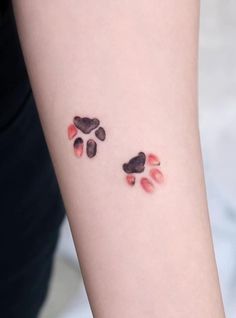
point(147, 185)
point(137, 165)
point(130, 179)
point(78, 146)
point(157, 175)
point(153, 160)
point(85, 125)
point(72, 131)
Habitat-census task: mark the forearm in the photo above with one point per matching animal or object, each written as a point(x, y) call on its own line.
point(132, 65)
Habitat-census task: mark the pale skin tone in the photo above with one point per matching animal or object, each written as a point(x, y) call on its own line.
point(133, 65)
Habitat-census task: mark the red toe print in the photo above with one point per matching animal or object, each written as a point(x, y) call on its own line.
point(153, 160)
point(78, 146)
point(157, 175)
point(137, 165)
point(72, 131)
point(147, 185)
point(85, 126)
point(130, 179)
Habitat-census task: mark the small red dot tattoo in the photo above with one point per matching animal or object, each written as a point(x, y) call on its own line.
point(85, 126)
point(137, 164)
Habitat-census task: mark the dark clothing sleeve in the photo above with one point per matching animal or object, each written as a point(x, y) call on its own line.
point(31, 207)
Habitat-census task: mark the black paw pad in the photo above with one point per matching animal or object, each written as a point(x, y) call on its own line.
point(136, 164)
point(91, 148)
point(100, 134)
point(85, 124)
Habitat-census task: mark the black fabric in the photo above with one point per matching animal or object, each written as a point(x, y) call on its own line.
point(13, 76)
point(31, 207)
point(3, 6)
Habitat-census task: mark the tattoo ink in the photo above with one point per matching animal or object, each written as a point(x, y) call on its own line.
point(153, 160)
point(130, 179)
point(157, 175)
point(135, 164)
point(147, 185)
point(78, 146)
point(100, 133)
point(72, 131)
point(91, 148)
point(138, 164)
point(84, 126)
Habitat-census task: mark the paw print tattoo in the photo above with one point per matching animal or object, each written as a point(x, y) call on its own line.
point(86, 126)
point(137, 165)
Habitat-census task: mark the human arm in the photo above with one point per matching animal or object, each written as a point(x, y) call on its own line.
point(133, 65)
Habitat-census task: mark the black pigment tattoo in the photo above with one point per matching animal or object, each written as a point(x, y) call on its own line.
point(91, 148)
point(100, 133)
point(78, 146)
point(86, 126)
point(137, 165)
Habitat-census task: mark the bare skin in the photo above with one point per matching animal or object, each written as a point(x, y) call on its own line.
point(133, 65)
